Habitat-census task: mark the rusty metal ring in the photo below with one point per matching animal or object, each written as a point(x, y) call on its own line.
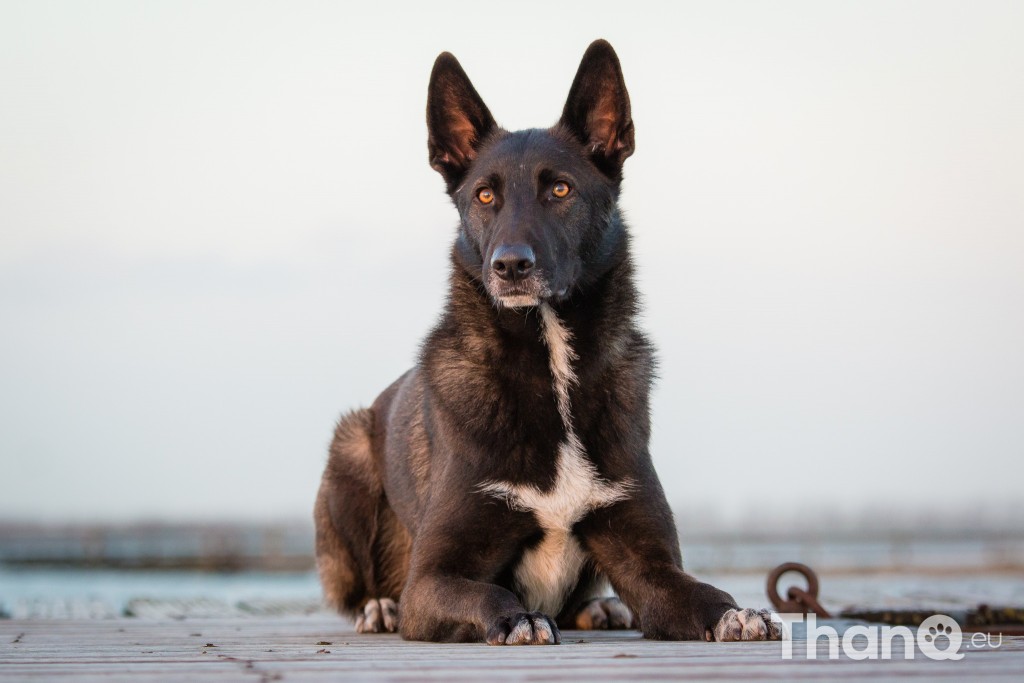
point(773, 583)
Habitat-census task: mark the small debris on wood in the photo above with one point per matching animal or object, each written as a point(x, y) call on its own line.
point(323, 652)
point(325, 642)
point(623, 655)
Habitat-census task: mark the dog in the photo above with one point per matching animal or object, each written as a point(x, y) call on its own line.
point(503, 489)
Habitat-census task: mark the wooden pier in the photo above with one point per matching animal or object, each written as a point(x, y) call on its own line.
point(325, 648)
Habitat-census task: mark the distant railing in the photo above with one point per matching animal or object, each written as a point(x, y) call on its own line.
point(207, 547)
point(289, 547)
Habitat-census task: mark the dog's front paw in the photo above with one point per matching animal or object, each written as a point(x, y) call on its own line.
point(745, 624)
point(524, 629)
point(602, 613)
point(379, 616)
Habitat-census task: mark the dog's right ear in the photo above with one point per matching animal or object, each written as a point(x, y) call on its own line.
point(457, 120)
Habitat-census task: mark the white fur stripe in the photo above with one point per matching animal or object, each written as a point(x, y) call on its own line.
point(561, 355)
point(548, 571)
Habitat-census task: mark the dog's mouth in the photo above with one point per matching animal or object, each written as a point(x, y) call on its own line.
point(519, 300)
point(527, 299)
point(523, 294)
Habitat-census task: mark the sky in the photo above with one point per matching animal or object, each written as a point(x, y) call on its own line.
point(214, 220)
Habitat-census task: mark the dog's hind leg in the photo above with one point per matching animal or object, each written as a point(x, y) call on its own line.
point(603, 613)
point(593, 605)
point(362, 550)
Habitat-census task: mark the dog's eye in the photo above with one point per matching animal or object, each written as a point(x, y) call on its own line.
point(560, 189)
point(485, 195)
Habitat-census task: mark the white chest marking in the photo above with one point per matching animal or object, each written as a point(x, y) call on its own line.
point(548, 571)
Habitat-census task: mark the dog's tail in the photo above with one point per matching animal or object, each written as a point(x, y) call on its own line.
point(345, 512)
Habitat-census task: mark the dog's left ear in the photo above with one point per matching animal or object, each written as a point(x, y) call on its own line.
point(457, 120)
point(597, 111)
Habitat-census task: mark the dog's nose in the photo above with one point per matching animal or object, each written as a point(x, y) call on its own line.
point(513, 261)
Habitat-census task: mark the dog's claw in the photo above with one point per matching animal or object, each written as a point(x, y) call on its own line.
point(524, 629)
point(744, 624)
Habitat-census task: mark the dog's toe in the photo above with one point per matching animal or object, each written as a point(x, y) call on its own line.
point(524, 629)
point(745, 624)
point(604, 613)
point(379, 616)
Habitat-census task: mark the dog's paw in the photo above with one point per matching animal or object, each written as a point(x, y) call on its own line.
point(379, 616)
point(524, 629)
point(745, 624)
point(604, 613)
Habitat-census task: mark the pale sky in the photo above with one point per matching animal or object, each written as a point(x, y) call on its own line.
point(214, 219)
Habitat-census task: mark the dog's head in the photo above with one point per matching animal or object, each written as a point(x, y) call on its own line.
point(538, 207)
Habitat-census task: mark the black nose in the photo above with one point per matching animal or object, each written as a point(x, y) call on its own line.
point(513, 261)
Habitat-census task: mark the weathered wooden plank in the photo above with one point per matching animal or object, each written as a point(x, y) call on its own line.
point(321, 649)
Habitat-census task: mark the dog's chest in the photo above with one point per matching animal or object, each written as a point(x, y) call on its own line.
point(548, 571)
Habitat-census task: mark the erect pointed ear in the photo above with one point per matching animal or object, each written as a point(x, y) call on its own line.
point(597, 111)
point(457, 120)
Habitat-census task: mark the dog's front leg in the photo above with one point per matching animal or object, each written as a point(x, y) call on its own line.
point(450, 594)
point(635, 544)
point(452, 608)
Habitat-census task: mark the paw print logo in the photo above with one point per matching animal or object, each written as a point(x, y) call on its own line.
point(937, 631)
point(939, 637)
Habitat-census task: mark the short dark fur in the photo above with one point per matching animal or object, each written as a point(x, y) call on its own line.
point(400, 512)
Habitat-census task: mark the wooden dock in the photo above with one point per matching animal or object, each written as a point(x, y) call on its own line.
point(322, 648)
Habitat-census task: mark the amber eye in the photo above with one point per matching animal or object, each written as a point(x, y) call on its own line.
point(485, 195)
point(560, 189)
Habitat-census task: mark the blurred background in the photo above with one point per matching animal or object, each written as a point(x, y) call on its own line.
point(212, 223)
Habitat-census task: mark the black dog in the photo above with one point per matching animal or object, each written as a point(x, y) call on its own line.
point(502, 487)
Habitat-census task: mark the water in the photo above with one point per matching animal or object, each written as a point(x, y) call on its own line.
point(890, 571)
point(77, 593)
